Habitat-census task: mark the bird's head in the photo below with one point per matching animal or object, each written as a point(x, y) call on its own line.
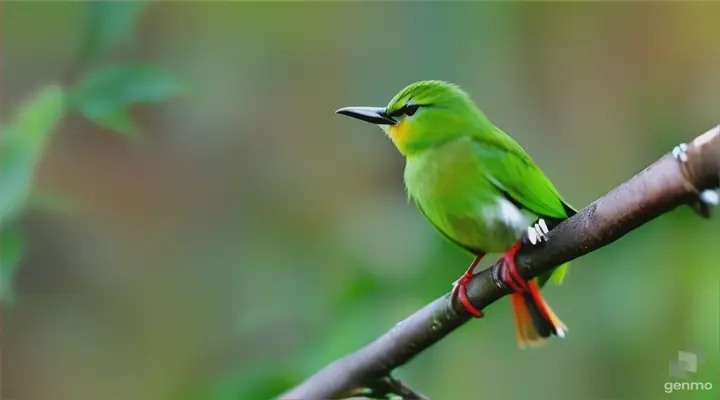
point(422, 115)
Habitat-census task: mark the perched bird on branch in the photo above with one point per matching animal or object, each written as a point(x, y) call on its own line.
point(478, 188)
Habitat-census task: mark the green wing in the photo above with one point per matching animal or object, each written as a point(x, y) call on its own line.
point(513, 172)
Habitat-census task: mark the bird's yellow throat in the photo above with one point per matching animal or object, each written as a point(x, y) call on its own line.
point(399, 135)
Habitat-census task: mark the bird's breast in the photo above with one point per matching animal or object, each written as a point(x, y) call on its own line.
point(449, 185)
point(448, 173)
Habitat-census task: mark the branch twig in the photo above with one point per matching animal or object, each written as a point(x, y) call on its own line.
point(388, 387)
point(659, 188)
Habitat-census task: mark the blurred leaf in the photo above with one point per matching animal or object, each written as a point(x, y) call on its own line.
point(361, 287)
point(110, 23)
point(262, 382)
point(21, 146)
point(50, 202)
point(351, 329)
point(12, 249)
point(106, 95)
point(119, 121)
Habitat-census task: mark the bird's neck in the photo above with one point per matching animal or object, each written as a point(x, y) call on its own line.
point(445, 128)
point(417, 148)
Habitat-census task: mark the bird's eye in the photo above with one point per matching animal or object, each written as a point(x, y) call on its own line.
point(410, 109)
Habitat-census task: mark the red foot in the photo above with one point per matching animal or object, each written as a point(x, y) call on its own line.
point(510, 273)
point(460, 289)
point(519, 285)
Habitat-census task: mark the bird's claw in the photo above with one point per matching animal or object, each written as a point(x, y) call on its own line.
point(454, 284)
point(707, 198)
point(680, 152)
point(538, 232)
point(711, 197)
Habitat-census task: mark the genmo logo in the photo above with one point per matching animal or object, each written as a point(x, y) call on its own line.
point(684, 367)
point(679, 386)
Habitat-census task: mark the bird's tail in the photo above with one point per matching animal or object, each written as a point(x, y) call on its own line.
point(534, 319)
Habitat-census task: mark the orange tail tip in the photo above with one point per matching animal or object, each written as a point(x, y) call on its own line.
point(534, 319)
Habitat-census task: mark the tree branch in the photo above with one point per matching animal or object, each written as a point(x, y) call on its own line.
point(659, 188)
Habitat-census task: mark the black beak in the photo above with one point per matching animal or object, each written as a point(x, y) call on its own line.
point(374, 115)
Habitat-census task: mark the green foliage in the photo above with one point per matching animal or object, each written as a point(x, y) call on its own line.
point(105, 96)
point(21, 146)
point(262, 382)
point(12, 249)
point(110, 24)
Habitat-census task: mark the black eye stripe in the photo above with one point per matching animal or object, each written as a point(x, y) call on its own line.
point(407, 109)
point(400, 111)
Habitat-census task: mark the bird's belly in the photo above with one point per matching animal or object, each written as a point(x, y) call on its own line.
point(494, 226)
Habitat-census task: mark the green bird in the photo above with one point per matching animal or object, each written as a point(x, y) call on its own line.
point(478, 187)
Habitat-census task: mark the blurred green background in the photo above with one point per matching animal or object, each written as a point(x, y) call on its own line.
point(237, 235)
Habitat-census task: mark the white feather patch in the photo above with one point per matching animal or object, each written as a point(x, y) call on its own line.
point(511, 215)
